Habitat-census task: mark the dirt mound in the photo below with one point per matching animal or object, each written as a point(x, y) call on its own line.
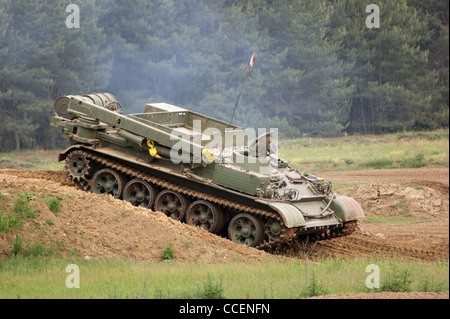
point(101, 227)
point(404, 220)
point(396, 200)
point(52, 175)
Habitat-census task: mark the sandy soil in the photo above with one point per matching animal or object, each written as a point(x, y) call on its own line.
point(407, 210)
point(101, 227)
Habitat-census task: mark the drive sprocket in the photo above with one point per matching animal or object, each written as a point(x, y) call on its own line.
point(77, 165)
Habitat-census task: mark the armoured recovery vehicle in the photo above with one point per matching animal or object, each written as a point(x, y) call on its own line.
point(173, 160)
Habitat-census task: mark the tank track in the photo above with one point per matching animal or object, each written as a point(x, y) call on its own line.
point(287, 234)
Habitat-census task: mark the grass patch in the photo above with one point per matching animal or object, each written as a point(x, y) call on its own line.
point(337, 186)
point(405, 150)
point(32, 251)
point(9, 222)
point(394, 220)
point(22, 206)
point(53, 203)
point(415, 162)
point(379, 163)
point(21, 210)
point(29, 159)
point(44, 277)
point(415, 186)
point(2, 196)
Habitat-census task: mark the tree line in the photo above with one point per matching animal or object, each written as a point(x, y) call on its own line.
point(319, 70)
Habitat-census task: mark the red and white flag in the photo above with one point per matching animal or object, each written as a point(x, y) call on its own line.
point(252, 60)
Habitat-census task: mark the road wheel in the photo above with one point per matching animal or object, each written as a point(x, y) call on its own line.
point(139, 193)
point(171, 203)
point(272, 229)
point(246, 229)
point(108, 182)
point(206, 215)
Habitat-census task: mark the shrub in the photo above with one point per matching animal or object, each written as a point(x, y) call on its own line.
point(379, 163)
point(53, 203)
point(432, 285)
point(17, 246)
point(8, 222)
point(38, 250)
point(416, 162)
point(211, 289)
point(314, 288)
point(22, 207)
point(397, 281)
point(168, 252)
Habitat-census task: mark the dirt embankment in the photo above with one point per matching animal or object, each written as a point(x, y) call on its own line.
point(101, 227)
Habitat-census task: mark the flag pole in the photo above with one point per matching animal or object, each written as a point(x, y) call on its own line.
point(250, 66)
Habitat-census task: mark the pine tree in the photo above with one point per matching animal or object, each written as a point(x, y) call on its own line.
point(42, 59)
point(394, 84)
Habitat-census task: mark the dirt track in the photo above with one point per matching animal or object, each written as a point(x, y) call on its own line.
point(437, 178)
point(408, 211)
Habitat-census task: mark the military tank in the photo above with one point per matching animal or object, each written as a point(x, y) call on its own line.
point(198, 170)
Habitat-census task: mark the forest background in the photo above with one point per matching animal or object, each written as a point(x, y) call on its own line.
point(319, 70)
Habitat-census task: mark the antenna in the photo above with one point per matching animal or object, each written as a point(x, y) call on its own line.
point(250, 66)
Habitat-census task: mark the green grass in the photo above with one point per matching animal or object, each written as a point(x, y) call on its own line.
point(40, 277)
point(26, 159)
point(394, 220)
point(53, 203)
point(21, 210)
point(168, 252)
point(35, 249)
point(403, 150)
